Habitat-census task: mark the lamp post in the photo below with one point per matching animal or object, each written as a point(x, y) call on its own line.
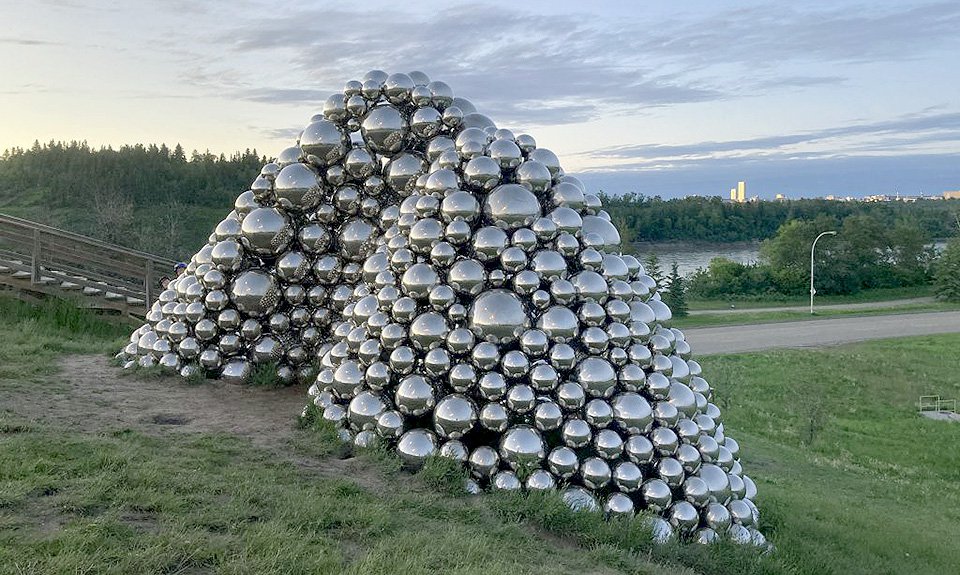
point(813, 291)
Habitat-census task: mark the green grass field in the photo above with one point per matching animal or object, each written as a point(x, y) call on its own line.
point(851, 480)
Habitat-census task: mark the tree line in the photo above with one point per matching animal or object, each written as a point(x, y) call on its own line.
point(148, 197)
point(163, 200)
point(710, 219)
point(864, 254)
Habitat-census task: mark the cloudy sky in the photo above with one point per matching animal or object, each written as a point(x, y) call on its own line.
point(803, 98)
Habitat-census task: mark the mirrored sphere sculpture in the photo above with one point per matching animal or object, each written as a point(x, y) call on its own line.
point(445, 289)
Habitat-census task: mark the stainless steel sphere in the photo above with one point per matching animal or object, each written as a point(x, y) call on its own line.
point(541, 480)
point(297, 188)
point(384, 129)
point(323, 141)
point(618, 505)
point(415, 446)
point(255, 293)
point(579, 499)
point(522, 447)
point(266, 232)
point(498, 316)
point(563, 462)
point(454, 415)
point(414, 396)
point(483, 461)
point(511, 206)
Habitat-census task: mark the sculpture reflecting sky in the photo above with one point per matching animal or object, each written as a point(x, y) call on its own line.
point(462, 297)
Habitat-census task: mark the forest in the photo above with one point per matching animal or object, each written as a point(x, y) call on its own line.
point(162, 200)
point(147, 197)
point(709, 219)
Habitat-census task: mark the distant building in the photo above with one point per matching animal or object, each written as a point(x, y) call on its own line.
point(952, 195)
point(739, 193)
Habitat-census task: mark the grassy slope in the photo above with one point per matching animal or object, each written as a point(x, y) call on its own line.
point(854, 476)
point(851, 481)
point(871, 295)
point(121, 501)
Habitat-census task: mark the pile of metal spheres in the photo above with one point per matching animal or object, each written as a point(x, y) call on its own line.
point(459, 296)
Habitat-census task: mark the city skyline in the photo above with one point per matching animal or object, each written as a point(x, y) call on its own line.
point(825, 98)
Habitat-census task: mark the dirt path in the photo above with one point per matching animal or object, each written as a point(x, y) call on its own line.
point(93, 395)
point(818, 333)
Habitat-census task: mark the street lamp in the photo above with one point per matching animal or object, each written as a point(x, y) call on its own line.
point(813, 291)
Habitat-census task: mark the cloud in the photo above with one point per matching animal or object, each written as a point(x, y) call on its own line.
point(29, 88)
point(285, 95)
point(28, 42)
point(534, 68)
point(537, 68)
point(910, 174)
point(773, 34)
point(288, 134)
point(890, 135)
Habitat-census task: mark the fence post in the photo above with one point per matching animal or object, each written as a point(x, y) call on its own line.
point(35, 261)
point(148, 284)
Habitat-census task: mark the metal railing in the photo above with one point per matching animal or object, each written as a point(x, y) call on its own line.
point(49, 259)
point(937, 403)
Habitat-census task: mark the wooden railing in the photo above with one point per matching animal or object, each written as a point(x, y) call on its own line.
point(48, 260)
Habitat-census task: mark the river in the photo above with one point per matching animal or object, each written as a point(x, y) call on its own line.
point(692, 255)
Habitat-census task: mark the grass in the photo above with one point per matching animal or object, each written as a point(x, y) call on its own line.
point(35, 334)
point(851, 481)
point(747, 317)
point(840, 455)
point(871, 295)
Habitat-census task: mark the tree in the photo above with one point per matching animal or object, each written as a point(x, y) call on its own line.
point(948, 272)
point(652, 266)
point(676, 296)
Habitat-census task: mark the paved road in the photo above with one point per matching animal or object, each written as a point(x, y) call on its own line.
point(815, 333)
point(848, 306)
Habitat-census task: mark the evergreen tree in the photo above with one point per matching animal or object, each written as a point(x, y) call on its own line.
point(676, 295)
point(948, 272)
point(652, 265)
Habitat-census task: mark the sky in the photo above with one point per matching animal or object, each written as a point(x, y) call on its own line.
point(803, 99)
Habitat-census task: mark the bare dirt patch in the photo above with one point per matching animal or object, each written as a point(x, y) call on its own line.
point(89, 394)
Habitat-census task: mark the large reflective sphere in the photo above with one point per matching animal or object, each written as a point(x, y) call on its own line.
point(384, 129)
point(522, 447)
point(511, 206)
point(324, 141)
point(498, 316)
point(415, 446)
point(597, 376)
point(454, 416)
point(357, 240)
point(604, 229)
point(297, 187)
point(255, 293)
point(266, 231)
